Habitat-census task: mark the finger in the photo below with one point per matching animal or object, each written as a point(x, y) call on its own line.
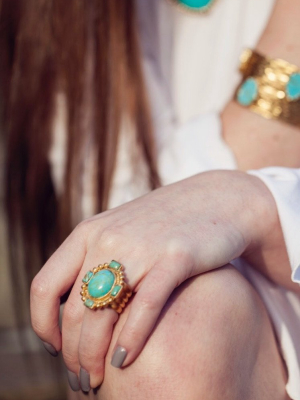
point(146, 306)
point(55, 278)
point(71, 327)
point(78, 331)
point(96, 333)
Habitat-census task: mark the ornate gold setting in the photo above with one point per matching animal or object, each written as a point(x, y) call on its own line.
point(117, 296)
point(272, 77)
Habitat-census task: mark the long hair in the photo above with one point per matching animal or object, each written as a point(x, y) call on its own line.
point(88, 51)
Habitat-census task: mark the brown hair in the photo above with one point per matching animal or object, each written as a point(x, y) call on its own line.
point(45, 47)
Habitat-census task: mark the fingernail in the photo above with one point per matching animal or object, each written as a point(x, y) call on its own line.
point(84, 380)
point(118, 357)
point(73, 381)
point(50, 349)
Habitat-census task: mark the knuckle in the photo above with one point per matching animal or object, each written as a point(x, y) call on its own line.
point(180, 256)
point(178, 251)
point(83, 228)
point(40, 288)
point(109, 238)
point(148, 303)
point(71, 316)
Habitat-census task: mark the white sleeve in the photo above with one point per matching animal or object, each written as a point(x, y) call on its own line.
point(284, 184)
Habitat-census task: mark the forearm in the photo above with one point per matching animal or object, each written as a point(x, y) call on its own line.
point(281, 38)
point(255, 141)
point(258, 142)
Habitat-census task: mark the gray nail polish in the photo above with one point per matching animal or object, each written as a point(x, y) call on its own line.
point(84, 380)
point(50, 349)
point(73, 381)
point(118, 357)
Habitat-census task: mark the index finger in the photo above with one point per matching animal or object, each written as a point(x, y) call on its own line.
point(55, 278)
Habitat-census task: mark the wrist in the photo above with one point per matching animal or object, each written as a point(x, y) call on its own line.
point(263, 222)
point(258, 142)
point(250, 206)
point(267, 250)
point(252, 211)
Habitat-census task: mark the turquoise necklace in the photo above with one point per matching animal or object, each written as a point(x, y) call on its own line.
point(195, 5)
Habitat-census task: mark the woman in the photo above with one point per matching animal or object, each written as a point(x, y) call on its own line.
point(195, 327)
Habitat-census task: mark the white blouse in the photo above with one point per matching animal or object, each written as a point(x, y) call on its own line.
point(191, 69)
point(191, 65)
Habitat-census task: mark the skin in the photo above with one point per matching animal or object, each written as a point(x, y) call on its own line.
point(255, 141)
point(226, 214)
point(164, 255)
point(186, 358)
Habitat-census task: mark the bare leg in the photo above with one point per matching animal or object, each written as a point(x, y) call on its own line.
point(213, 341)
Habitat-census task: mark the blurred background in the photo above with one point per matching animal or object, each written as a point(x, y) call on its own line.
point(27, 371)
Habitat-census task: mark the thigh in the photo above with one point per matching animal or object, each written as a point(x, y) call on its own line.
point(213, 341)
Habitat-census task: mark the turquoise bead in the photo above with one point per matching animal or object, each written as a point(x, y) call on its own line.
point(101, 283)
point(114, 264)
point(196, 4)
point(115, 290)
point(293, 87)
point(248, 92)
point(87, 277)
point(89, 303)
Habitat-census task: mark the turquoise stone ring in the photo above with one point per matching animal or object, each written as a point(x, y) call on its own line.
point(104, 286)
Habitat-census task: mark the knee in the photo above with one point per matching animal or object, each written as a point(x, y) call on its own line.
point(196, 346)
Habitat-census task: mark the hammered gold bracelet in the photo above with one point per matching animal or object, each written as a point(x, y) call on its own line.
point(270, 87)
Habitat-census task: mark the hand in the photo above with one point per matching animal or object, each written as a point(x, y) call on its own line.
point(162, 239)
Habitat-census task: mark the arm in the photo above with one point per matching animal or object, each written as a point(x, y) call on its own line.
point(258, 142)
point(163, 238)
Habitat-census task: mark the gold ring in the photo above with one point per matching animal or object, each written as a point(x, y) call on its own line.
point(105, 286)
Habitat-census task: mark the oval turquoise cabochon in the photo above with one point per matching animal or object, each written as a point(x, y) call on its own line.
point(101, 283)
point(197, 4)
